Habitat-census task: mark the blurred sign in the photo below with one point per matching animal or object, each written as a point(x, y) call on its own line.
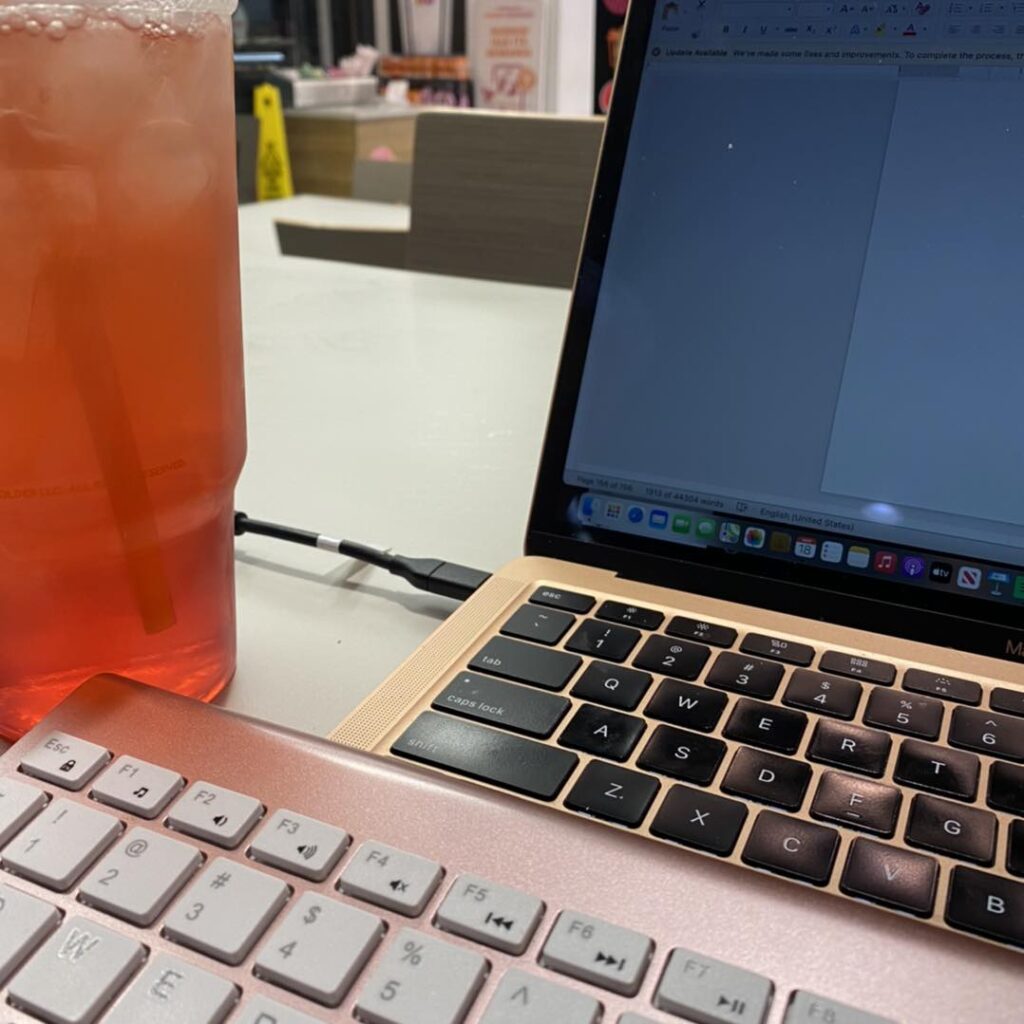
point(273, 168)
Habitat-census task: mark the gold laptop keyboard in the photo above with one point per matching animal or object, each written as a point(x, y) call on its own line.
point(892, 784)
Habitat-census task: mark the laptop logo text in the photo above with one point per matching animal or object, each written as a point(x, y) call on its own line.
point(1015, 648)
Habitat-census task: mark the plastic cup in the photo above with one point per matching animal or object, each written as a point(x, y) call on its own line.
point(122, 430)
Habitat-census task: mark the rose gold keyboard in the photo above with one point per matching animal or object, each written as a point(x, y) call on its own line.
point(165, 861)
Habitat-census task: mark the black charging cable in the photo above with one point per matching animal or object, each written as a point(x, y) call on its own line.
point(430, 574)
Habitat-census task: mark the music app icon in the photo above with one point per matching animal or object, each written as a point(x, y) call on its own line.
point(885, 561)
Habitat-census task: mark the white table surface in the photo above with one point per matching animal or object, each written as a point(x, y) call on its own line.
point(399, 409)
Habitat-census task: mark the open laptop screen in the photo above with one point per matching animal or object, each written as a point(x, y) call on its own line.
point(806, 344)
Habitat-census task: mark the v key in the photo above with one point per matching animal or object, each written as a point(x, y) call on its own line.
point(893, 877)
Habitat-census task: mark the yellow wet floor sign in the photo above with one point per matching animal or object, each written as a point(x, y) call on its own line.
point(273, 169)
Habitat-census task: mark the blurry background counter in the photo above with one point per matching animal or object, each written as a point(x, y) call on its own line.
point(399, 409)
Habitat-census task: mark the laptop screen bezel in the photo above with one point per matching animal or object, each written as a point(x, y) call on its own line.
point(945, 619)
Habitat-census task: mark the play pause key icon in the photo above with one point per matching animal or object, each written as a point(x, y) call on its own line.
point(701, 989)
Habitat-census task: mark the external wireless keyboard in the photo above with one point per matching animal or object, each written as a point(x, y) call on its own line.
point(165, 861)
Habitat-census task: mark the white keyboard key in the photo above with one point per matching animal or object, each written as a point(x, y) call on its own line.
point(592, 950)
point(60, 844)
point(421, 980)
point(140, 876)
point(19, 804)
point(492, 914)
point(137, 787)
point(260, 1010)
point(216, 814)
point(65, 760)
point(709, 991)
point(76, 974)
point(523, 998)
point(24, 922)
point(391, 878)
point(301, 845)
point(319, 948)
point(225, 910)
point(170, 991)
point(807, 1008)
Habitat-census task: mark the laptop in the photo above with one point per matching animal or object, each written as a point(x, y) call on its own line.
point(771, 608)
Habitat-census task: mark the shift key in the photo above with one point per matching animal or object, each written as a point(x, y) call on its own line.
point(526, 663)
point(486, 754)
point(503, 704)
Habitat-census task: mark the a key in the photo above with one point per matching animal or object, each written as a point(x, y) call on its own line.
point(137, 787)
point(701, 630)
point(708, 991)
point(777, 648)
point(629, 615)
point(613, 643)
point(687, 756)
point(612, 793)
point(260, 1010)
point(140, 876)
point(218, 815)
point(421, 980)
point(704, 821)
point(319, 949)
point(807, 1008)
point(791, 847)
point(764, 726)
point(677, 658)
point(523, 998)
point(1006, 787)
point(937, 684)
point(567, 600)
point(19, 804)
point(1005, 699)
point(391, 878)
point(225, 910)
point(988, 733)
point(850, 746)
point(825, 694)
point(694, 707)
point(170, 990)
point(964, 832)
point(491, 914)
point(507, 705)
point(24, 922)
point(592, 950)
point(76, 973)
point(890, 876)
point(856, 666)
point(540, 625)
point(500, 758)
point(635, 1018)
point(602, 732)
point(1014, 850)
point(60, 844)
point(739, 673)
point(896, 712)
point(937, 769)
point(65, 760)
point(614, 685)
point(767, 778)
point(300, 845)
point(526, 663)
point(857, 803)
point(986, 905)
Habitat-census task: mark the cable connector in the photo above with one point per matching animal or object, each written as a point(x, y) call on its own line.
point(447, 579)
